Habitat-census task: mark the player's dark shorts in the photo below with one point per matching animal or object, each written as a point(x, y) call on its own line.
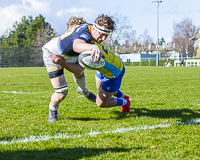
point(110, 85)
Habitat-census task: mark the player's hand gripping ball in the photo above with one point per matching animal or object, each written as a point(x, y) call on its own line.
point(86, 61)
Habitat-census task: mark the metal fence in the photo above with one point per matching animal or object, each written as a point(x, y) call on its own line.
point(32, 57)
point(21, 57)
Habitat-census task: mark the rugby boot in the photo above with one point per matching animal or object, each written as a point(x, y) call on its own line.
point(126, 107)
point(126, 97)
point(89, 95)
point(53, 116)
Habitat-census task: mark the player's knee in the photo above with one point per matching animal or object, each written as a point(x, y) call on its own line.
point(61, 92)
point(81, 71)
point(100, 104)
point(79, 74)
point(62, 96)
point(58, 97)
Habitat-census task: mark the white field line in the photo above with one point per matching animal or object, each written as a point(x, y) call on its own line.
point(91, 133)
point(81, 96)
point(15, 92)
point(32, 138)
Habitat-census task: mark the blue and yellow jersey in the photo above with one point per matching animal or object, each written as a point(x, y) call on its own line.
point(113, 64)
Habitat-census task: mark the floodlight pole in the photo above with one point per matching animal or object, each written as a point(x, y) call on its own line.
point(186, 48)
point(157, 46)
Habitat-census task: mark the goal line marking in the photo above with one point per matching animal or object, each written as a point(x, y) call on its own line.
point(32, 138)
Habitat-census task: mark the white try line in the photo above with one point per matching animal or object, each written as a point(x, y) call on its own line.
point(15, 92)
point(32, 138)
point(91, 133)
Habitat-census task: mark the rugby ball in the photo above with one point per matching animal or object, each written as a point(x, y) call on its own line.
point(86, 61)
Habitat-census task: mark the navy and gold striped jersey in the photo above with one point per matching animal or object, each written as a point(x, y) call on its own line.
point(63, 45)
point(113, 64)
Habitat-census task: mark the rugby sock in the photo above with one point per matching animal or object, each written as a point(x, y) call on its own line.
point(121, 102)
point(80, 83)
point(53, 108)
point(119, 94)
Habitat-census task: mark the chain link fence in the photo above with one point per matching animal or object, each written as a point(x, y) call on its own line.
point(32, 57)
point(21, 57)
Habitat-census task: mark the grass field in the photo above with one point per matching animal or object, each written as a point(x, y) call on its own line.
point(161, 98)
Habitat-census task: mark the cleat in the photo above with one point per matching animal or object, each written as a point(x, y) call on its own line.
point(126, 97)
point(126, 107)
point(52, 116)
point(91, 97)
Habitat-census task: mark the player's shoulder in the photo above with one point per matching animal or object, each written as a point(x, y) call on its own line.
point(84, 27)
point(83, 32)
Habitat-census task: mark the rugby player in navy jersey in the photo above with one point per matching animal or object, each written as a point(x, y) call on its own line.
point(69, 45)
point(108, 79)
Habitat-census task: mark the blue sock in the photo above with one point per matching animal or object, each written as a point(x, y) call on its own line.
point(119, 94)
point(120, 101)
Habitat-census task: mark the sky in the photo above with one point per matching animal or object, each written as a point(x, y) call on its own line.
point(141, 14)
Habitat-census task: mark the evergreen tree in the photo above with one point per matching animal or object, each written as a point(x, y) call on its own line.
point(21, 45)
point(25, 33)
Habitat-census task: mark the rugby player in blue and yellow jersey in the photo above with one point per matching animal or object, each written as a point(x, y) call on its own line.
point(68, 46)
point(108, 79)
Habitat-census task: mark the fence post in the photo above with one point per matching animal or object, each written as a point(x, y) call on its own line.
point(149, 61)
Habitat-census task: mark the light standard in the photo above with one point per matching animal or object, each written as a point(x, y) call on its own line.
point(157, 46)
point(186, 48)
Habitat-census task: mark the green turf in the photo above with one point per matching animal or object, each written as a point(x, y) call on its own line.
point(159, 95)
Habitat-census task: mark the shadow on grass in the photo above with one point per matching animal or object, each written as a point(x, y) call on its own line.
point(56, 154)
point(87, 119)
point(183, 114)
point(120, 115)
point(6, 138)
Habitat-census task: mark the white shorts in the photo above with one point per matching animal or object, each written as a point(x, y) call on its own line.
point(47, 60)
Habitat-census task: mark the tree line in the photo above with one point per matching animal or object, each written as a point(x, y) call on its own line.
point(21, 45)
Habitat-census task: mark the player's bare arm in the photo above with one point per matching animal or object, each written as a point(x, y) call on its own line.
point(79, 46)
point(74, 68)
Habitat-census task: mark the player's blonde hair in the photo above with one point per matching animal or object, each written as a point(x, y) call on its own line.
point(74, 21)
